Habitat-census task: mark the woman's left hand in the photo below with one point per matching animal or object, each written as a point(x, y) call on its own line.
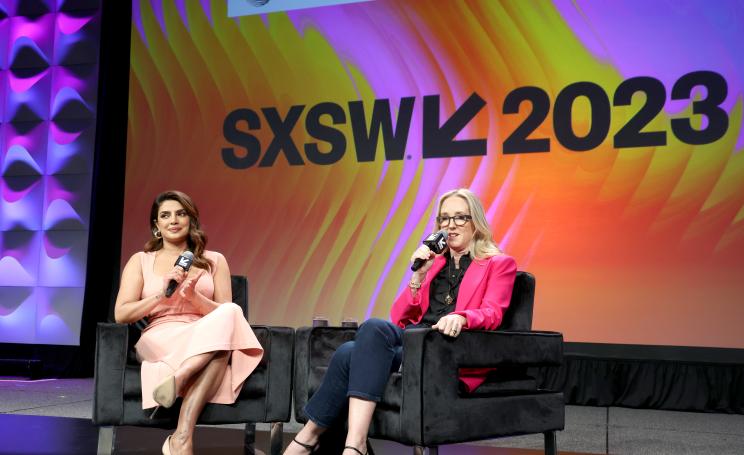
point(450, 325)
point(188, 287)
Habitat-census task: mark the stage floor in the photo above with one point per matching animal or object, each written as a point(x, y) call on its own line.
point(53, 417)
point(25, 435)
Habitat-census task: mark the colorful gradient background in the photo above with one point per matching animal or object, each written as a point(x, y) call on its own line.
point(636, 245)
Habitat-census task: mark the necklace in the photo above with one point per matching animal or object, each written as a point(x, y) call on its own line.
point(453, 284)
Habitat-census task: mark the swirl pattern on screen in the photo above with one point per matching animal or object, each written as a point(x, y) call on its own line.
point(629, 245)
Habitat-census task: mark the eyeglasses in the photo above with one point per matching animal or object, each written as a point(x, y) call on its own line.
point(460, 220)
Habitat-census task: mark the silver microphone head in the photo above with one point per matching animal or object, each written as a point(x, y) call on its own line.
point(185, 259)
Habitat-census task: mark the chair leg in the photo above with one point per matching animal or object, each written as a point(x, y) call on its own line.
point(106, 440)
point(551, 444)
point(249, 439)
point(276, 441)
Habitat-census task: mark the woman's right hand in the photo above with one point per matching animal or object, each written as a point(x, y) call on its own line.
point(422, 252)
point(176, 273)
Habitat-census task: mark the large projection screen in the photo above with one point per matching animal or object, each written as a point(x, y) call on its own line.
point(604, 139)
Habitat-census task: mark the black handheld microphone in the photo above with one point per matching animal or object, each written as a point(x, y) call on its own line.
point(436, 243)
point(184, 261)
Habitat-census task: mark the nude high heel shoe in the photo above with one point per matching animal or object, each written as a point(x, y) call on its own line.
point(165, 393)
point(166, 446)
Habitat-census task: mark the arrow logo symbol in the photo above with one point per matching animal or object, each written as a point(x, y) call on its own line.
point(439, 142)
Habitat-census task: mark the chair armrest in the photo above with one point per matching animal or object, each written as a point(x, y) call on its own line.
point(486, 349)
point(278, 344)
point(110, 362)
point(432, 358)
point(431, 362)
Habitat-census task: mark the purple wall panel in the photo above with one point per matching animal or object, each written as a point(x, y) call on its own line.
point(18, 314)
point(26, 148)
point(21, 204)
point(19, 258)
point(48, 94)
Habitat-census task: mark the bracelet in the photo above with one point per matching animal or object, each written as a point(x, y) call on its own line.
point(413, 285)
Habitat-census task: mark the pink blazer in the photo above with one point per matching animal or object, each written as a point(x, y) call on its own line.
point(484, 296)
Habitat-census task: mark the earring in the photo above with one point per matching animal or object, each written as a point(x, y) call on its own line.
point(156, 233)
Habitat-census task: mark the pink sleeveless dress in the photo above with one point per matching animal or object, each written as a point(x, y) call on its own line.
point(177, 331)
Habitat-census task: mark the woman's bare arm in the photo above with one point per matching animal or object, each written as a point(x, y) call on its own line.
point(129, 306)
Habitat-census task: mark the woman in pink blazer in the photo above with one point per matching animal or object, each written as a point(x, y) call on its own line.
point(466, 287)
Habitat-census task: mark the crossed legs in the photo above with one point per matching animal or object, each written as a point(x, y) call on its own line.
point(200, 378)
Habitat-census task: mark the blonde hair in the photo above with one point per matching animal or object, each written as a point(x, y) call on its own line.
point(482, 246)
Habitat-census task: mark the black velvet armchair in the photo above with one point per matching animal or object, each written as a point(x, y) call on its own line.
point(265, 397)
point(424, 405)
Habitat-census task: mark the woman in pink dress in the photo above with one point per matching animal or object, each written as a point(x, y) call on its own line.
point(197, 344)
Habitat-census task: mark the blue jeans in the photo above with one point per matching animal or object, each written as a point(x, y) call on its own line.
point(358, 368)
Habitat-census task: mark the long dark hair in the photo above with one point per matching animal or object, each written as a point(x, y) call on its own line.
point(197, 239)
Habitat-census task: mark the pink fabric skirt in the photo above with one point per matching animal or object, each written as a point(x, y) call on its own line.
point(170, 340)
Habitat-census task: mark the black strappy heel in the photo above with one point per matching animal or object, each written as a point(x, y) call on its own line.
point(307, 447)
point(355, 450)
